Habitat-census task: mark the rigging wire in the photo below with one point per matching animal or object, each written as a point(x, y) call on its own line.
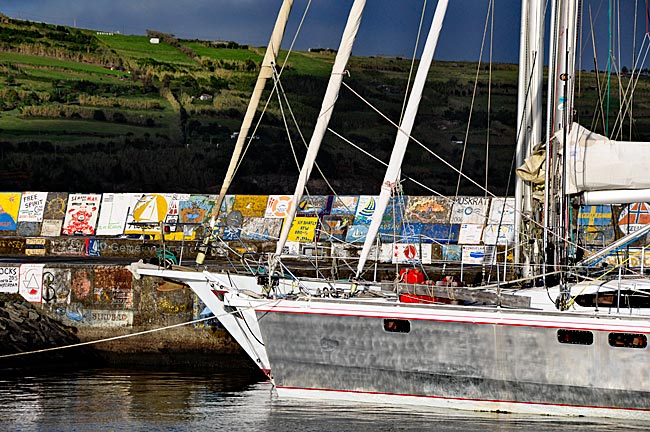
point(270, 97)
point(412, 68)
point(474, 91)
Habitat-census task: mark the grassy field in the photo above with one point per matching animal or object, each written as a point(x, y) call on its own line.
point(184, 100)
point(54, 63)
point(139, 47)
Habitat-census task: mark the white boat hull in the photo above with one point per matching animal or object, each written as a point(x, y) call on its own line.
point(466, 358)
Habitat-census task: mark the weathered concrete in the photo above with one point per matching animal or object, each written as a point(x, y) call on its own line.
point(128, 319)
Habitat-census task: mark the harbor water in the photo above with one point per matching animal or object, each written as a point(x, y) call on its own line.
point(232, 400)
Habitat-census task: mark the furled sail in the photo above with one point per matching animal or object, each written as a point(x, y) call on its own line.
point(596, 163)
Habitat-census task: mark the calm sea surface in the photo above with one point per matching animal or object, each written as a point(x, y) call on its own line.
point(150, 400)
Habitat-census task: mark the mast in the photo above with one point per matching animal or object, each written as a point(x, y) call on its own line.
point(529, 119)
point(266, 72)
point(561, 79)
point(327, 107)
point(391, 177)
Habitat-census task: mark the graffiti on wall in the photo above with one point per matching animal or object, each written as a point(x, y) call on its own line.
point(113, 288)
point(56, 286)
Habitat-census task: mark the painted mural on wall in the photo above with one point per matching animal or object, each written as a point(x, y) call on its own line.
point(452, 252)
point(633, 217)
point(9, 279)
point(67, 246)
point(9, 208)
point(391, 223)
point(335, 227)
point(113, 213)
point(469, 210)
point(30, 215)
point(173, 229)
point(357, 233)
point(12, 246)
point(498, 234)
point(278, 206)
point(430, 233)
point(251, 205)
point(28, 229)
point(314, 205)
point(56, 286)
point(228, 203)
point(405, 253)
point(81, 214)
point(81, 284)
point(478, 255)
point(344, 205)
point(363, 216)
point(146, 214)
point(112, 288)
point(32, 206)
point(30, 284)
point(470, 234)
point(303, 229)
point(428, 209)
point(502, 211)
point(54, 214)
point(196, 209)
point(51, 227)
point(261, 229)
point(595, 225)
point(55, 205)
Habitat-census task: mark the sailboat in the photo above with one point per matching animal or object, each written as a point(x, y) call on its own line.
point(556, 350)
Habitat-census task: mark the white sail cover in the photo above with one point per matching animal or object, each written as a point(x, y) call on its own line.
point(596, 163)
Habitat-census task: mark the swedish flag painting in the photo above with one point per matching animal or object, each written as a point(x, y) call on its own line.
point(595, 215)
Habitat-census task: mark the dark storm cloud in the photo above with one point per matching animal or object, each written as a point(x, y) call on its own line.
point(389, 26)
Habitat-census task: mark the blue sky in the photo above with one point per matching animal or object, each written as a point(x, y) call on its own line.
point(389, 26)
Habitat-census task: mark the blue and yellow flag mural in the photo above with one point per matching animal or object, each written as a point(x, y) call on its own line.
point(595, 215)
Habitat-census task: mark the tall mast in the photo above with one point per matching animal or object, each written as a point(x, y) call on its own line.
point(266, 72)
point(391, 177)
point(331, 94)
point(529, 119)
point(561, 79)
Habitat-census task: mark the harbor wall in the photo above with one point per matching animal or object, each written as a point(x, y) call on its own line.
point(126, 320)
point(415, 229)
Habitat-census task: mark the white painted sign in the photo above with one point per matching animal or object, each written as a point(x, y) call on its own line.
point(470, 234)
point(9, 279)
point(469, 210)
point(32, 205)
point(30, 284)
point(502, 211)
point(404, 253)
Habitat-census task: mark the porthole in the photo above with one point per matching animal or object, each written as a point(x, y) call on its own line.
point(628, 340)
point(397, 326)
point(576, 337)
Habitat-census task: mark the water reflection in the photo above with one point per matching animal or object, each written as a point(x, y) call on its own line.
point(120, 399)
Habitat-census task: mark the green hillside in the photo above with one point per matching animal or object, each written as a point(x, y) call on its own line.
point(89, 111)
